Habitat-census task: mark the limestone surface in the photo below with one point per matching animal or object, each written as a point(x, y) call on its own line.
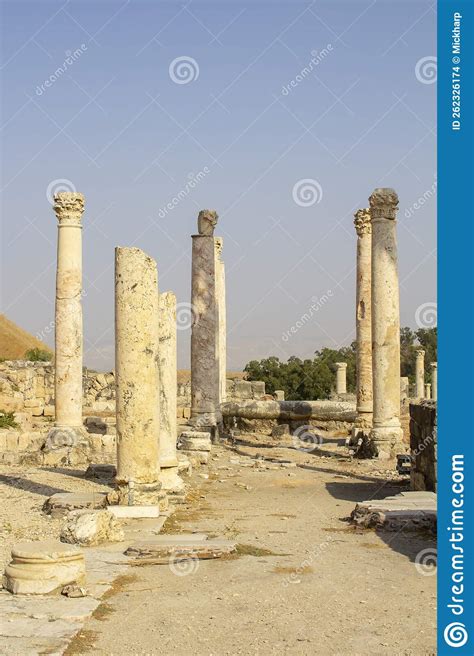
point(91, 527)
point(43, 567)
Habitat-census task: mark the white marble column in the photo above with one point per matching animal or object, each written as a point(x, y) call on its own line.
point(171, 481)
point(386, 433)
point(341, 370)
point(420, 373)
point(137, 377)
point(434, 381)
point(363, 322)
point(205, 413)
point(221, 320)
point(68, 429)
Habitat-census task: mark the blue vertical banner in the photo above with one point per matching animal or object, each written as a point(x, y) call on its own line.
point(455, 327)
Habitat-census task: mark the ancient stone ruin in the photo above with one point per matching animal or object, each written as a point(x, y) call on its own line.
point(140, 432)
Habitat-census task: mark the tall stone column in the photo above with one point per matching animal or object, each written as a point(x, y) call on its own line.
point(386, 433)
point(341, 385)
point(420, 373)
point(434, 381)
point(205, 413)
point(169, 478)
point(221, 320)
point(363, 322)
point(68, 430)
point(137, 377)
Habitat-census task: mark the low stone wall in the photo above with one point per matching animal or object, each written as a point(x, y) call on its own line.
point(27, 390)
point(29, 387)
point(423, 445)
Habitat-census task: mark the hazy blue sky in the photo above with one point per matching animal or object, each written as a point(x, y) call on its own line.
point(117, 127)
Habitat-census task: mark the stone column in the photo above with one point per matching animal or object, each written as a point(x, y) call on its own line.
point(68, 430)
point(434, 381)
point(404, 387)
point(169, 478)
point(205, 413)
point(137, 377)
point(221, 320)
point(420, 373)
point(386, 433)
point(341, 369)
point(428, 391)
point(363, 322)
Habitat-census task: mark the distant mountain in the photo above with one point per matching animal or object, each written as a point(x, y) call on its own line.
point(15, 342)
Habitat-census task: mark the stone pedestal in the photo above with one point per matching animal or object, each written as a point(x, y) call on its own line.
point(434, 381)
point(68, 431)
point(341, 369)
point(196, 445)
point(205, 413)
point(420, 373)
point(137, 377)
point(43, 567)
point(363, 324)
point(169, 478)
point(386, 433)
point(221, 320)
point(279, 395)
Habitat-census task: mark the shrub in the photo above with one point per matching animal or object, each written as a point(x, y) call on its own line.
point(7, 420)
point(38, 355)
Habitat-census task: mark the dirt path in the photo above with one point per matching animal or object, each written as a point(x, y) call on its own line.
point(305, 583)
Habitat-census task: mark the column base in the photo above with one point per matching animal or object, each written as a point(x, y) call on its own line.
point(139, 494)
point(171, 482)
point(361, 428)
point(387, 441)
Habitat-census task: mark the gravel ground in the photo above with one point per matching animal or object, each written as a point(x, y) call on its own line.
point(23, 491)
point(304, 581)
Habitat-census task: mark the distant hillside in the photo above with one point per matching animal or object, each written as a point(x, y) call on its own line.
point(14, 341)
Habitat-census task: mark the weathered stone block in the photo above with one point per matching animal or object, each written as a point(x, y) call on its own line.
point(91, 527)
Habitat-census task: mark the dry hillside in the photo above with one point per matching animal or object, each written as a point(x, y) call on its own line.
point(14, 341)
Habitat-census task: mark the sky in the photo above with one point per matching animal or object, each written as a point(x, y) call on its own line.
point(282, 116)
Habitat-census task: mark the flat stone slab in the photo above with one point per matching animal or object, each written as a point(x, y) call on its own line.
point(61, 503)
point(408, 510)
point(164, 546)
point(134, 512)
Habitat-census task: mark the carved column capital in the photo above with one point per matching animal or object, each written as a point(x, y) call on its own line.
point(383, 204)
point(207, 221)
point(68, 207)
point(362, 222)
